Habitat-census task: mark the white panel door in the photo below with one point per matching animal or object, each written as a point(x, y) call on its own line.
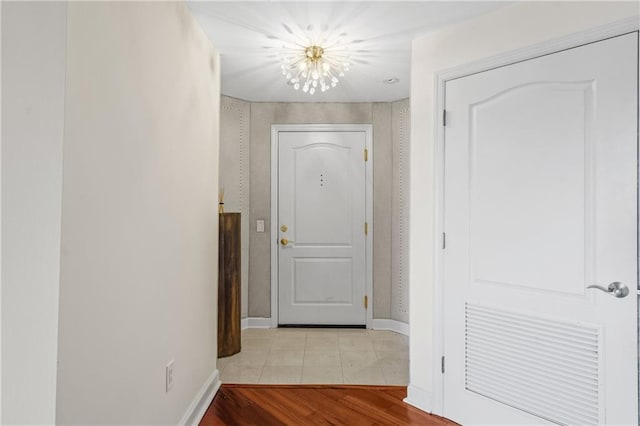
point(540, 204)
point(321, 209)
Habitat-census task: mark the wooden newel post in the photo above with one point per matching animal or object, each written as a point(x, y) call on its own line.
point(229, 285)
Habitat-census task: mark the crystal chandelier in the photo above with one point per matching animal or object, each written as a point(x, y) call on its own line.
point(314, 65)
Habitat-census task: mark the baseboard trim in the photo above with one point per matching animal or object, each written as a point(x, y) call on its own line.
point(255, 323)
point(201, 402)
point(378, 324)
point(392, 325)
point(419, 398)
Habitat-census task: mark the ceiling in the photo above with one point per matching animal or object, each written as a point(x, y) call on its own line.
point(249, 35)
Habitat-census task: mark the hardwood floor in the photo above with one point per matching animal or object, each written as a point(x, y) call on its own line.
point(314, 405)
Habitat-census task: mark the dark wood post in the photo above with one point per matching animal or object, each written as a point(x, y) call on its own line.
point(229, 285)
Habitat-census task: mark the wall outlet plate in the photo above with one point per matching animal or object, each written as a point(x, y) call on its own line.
point(260, 225)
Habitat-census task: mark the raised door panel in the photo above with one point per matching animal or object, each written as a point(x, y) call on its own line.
point(322, 195)
point(521, 178)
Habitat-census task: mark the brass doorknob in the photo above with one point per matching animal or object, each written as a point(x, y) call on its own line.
point(285, 241)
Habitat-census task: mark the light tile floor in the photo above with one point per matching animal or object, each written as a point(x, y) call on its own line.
point(318, 356)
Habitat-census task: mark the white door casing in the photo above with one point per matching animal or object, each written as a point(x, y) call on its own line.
point(540, 202)
point(321, 194)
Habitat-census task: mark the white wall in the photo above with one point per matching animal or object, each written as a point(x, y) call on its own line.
point(509, 28)
point(33, 55)
point(139, 214)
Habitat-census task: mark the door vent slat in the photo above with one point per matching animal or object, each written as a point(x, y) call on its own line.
point(546, 350)
point(501, 364)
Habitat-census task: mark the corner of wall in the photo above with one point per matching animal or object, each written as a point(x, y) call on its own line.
point(400, 216)
point(33, 90)
point(198, 407)
point(419, 398)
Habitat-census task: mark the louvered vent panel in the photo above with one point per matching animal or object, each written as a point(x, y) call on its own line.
point(543, 367)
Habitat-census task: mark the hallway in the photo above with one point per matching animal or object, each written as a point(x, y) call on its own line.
point(500, 221)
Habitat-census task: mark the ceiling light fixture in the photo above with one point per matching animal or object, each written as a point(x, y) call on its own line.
point(314, 65)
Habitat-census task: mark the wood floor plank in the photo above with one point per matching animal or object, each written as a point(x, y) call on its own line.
point(368, 406)
point(337, 409)
point(279, 406)
point(315, 405)
point(332, 409)
point(231, 408)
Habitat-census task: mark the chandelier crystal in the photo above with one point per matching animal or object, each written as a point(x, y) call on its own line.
point(314, 66)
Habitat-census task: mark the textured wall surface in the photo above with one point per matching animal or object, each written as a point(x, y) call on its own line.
point(401, 124)
point(262, 116)
point(322, 113)
point(390, 131)
point(234, 175)
point(382, 190)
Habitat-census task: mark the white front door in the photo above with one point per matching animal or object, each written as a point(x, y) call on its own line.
point(540, 204)
point(321, 217)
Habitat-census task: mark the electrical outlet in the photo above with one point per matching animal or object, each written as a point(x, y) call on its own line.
point(169, 376)
point(259, 225)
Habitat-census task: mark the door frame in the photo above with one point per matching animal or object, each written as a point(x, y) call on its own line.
point(440, 79)
point(276, 129)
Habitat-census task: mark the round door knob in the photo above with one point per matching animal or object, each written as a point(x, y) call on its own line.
point(284, 241)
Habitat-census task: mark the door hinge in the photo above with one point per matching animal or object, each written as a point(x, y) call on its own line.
point(366, 228)
point(366, 154)
point(444, 117)
point(442, 364)
point(444, 241)
point(366, 302)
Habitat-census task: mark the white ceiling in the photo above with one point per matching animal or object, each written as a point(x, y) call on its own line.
point(248, 35)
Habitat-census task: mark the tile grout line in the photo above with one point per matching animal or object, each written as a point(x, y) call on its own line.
point(364, 343)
